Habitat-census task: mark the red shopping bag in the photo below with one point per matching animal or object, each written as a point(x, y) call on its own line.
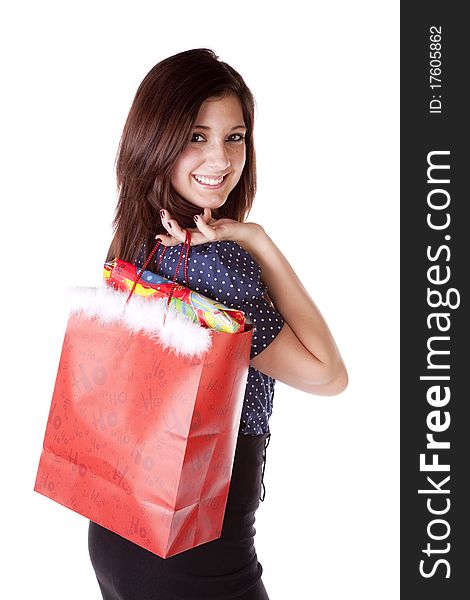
point(144, 419)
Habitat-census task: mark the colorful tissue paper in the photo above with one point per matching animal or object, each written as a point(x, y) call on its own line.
point(207, 312)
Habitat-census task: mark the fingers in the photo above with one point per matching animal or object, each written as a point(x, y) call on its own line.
point(167, 240)
point(207, 214)
point(176, 234)
point(203, 226)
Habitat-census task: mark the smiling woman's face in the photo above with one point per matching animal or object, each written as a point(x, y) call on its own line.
point(216, 149)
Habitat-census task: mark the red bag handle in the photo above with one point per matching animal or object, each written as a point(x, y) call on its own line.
point(186, 244)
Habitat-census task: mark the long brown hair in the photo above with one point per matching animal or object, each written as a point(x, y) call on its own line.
point(156, 131)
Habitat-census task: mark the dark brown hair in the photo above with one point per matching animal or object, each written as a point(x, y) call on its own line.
point(156, 131)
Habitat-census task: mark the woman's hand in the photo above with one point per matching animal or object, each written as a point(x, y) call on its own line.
point(207, 229)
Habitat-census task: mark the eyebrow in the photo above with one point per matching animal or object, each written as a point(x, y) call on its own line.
point(236, 127)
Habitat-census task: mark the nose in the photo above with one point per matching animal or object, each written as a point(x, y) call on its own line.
point(217, 157)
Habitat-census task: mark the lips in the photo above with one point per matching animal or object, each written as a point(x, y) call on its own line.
point(208, 185)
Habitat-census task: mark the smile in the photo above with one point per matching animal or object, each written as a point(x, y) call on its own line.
point(208, 182)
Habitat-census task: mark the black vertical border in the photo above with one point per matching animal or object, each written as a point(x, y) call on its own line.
point(421, 133)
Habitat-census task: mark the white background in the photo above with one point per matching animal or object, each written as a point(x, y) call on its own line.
point(325, 78)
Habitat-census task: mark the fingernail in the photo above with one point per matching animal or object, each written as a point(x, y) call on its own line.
point(195, 217)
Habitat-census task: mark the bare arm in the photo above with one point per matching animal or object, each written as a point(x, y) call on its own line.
point(304, 354)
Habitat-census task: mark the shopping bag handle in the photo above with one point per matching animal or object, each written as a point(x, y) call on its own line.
point(186, 244)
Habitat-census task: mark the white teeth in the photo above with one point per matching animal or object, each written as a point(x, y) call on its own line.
point(208, 181)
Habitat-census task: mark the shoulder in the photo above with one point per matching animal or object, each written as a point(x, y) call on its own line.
point(226, 271)
point(229, 254)
point(228, 259)
point(223, 270)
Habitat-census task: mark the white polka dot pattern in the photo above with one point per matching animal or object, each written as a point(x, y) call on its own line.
point(227, 273)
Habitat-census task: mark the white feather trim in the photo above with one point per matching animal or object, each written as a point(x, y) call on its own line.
point(179, 333)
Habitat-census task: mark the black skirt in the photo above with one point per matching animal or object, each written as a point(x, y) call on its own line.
point(225, 568)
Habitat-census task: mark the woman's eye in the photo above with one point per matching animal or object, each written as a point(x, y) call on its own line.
point(196, 135)
point(240, 137)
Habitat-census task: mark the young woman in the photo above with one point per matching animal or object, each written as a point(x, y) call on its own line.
point(186, 161)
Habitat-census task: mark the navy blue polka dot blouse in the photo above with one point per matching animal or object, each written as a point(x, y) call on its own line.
point(227, 273)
